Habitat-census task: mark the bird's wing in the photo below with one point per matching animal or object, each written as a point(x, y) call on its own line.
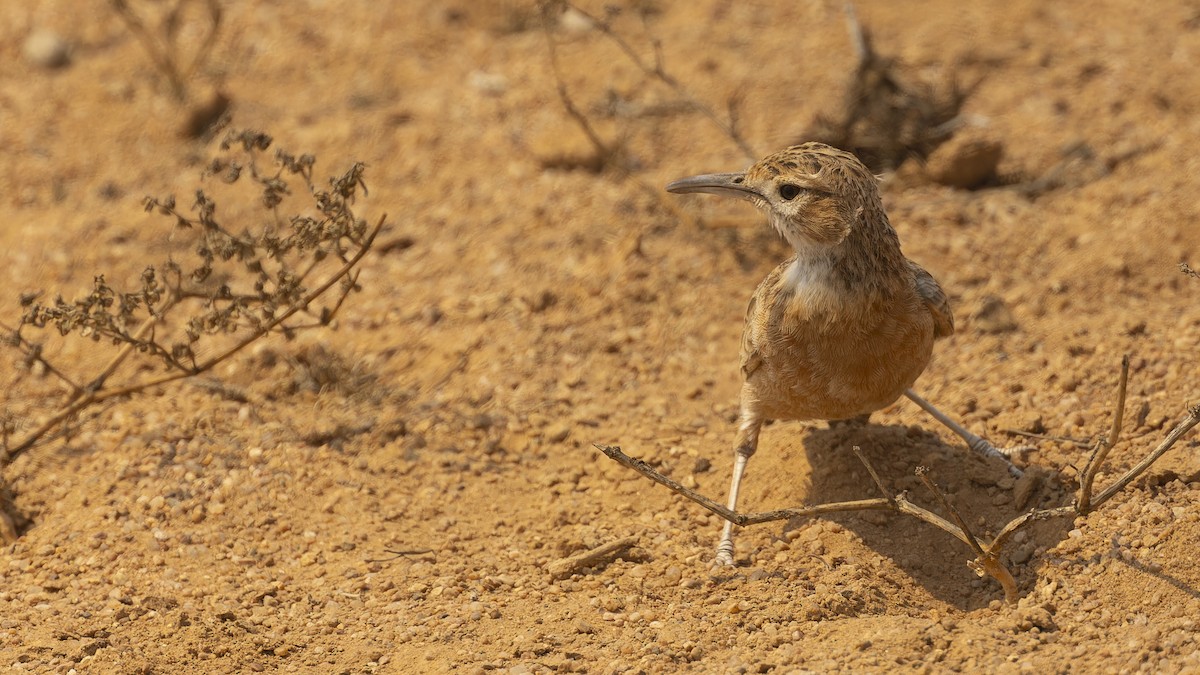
point(935, 299)
point(750, 357)
point(762, 318)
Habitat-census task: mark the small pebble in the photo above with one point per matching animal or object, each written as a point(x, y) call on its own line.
point(558, 432)
point(574, 21)
point(46, 49)
point(491, 84)
point(993, 317)
point(966, 161)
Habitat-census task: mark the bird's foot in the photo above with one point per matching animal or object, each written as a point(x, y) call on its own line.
point(724, 554)
point(1014, 451)
point(1005, 454)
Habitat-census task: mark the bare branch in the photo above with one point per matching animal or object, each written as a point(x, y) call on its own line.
point(615, 453)
point(1105, 444)
point(1185, 425)
point(265, 261)
point(900, 504)
point(33, 354)
point(659, 72)
point(164, 52)
point(1045, 437)
point(987, 561)
point(1021, 521)
point(561, 569)
point(874, 475)
point(968, 536)
point(603, 151)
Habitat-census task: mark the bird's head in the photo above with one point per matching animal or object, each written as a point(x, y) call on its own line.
point(813, 195)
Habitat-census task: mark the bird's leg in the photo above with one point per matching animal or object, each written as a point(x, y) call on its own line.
point(744, 446)
point(974, 442)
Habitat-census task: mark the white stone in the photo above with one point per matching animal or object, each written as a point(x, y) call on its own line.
point(492, 84)
point(46, 49)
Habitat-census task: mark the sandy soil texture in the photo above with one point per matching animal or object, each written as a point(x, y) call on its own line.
point(395, 493)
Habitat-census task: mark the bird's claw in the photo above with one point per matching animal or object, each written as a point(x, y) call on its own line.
point(1005, 454)
point(1015, 451)
point(724, 555)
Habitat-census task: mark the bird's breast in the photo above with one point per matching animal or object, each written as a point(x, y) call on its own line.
point(824, 350)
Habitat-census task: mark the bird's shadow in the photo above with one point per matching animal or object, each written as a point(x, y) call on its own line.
point(981, 490)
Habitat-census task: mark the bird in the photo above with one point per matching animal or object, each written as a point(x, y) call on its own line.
point(845, 326)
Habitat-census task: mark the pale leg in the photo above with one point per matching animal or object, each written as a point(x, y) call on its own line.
point(974, 442)
point(745, 445)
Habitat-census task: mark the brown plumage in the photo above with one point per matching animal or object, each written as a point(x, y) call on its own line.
point(845, 326)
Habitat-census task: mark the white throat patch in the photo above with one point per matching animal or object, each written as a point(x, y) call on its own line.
point(810, 280)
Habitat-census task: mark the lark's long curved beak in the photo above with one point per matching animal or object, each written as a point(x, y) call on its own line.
point(721, 184)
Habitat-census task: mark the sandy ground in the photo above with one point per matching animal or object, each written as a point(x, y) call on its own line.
point(543, 306)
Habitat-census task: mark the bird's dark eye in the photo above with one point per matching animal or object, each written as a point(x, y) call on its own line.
point(788, 191)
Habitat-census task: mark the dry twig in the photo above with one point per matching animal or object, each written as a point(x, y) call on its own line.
point(607, 154)
point(561, 569)
point(266, 280)
point(163, 48)
point(1104, 444)
point(987, 560)
point(396, 555)
point(658, 71)
point(1082, 443)
point(604, 152)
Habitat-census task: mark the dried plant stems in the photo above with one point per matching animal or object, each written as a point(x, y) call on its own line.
point(987, 555)
point(656, 71)
point(1185, 425)
point(659, 72)
point(604, 152)
point(163, 49)
point(740, 519)
point(561, 569)
point(1104, 444)
point(263, 284)
point(94, 394)
point(986, 560)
